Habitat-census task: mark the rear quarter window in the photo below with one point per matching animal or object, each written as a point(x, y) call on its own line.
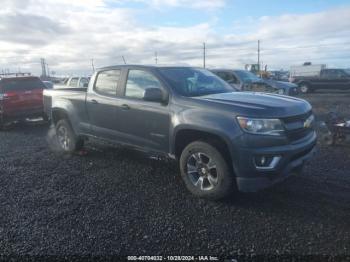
point(18, 84)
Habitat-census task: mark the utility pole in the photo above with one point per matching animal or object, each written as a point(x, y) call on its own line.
point(156, 57)
point(43, 68)
point(92, 65)
point(204, 54)
point(48, 69)
point(124, 60)
point(259, 55)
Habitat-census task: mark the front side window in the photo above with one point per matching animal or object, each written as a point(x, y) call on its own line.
point(330, 74)
point(138, 82)
point(107, 82)
point(193, 82)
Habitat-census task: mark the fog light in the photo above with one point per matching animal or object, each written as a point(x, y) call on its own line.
point(266, 162)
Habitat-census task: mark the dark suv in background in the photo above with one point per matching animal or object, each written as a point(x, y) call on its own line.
point(244, 80)
point(20, 98)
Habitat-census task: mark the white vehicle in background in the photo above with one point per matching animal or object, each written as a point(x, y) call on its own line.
point(307, 69)
point(311, 78)
point(74, 82)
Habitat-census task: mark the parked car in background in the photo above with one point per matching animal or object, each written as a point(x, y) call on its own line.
point(246, 81)
point(315, 77)
point(279, 75)
point(224, 140)
point(20, 98)
point(74, 82)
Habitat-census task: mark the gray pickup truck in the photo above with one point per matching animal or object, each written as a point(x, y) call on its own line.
point(223, 140)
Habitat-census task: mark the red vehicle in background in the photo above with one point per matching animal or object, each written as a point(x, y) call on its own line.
point(20, 98)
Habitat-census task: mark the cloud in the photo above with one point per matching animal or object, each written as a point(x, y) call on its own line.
point(70, 33)
point(30, 29)
point(198, 4)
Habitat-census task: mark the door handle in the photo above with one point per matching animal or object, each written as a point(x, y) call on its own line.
point(125, 107)
point(94, 101)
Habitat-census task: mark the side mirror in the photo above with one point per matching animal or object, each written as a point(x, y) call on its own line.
point(153, 94)
point(86, 85)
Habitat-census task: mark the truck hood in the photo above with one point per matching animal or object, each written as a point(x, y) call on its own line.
point(280, 84)
point(259, 104)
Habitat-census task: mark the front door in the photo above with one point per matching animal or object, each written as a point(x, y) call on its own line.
point(143, 123)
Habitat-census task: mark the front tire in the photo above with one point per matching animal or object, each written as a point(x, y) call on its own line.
point(67, 140)
point(305, 88)
point(205, 171)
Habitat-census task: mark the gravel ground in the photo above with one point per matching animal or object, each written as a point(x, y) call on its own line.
point(115, 201)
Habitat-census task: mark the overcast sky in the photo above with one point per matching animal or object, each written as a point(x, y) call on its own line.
point(69, 33)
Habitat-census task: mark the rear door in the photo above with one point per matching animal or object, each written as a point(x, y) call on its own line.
point(143, 123)
point(102, 103)
point(22, 95)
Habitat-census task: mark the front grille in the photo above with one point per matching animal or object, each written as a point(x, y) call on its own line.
point(295, 129)
point(292, 119)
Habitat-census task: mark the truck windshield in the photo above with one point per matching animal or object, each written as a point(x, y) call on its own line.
point(192, 82)
point(247, 76)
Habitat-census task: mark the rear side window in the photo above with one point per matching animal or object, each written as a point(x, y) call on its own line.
point(107, 82)
point(24, 84)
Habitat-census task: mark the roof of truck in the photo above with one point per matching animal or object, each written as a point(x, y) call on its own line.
point(147, 66)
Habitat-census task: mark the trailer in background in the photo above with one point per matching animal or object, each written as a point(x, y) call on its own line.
point(307, 69)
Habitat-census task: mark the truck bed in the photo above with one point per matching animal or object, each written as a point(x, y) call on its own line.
point(56, 97)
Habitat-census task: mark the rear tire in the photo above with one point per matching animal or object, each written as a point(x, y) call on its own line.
point(205, 171)
point(66, 138)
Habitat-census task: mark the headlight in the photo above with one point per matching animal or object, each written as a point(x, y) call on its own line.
point(273, 127)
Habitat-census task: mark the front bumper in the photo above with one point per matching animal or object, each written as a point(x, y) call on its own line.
point(293, 156)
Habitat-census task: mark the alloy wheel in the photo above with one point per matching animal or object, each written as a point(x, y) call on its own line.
point(63, 138)
point(202, 171)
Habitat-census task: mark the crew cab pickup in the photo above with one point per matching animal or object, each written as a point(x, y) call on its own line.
point(20, 98)
point(331, 79)
point(223, 140)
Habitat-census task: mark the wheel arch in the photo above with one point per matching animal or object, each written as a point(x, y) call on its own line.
point(185, 136)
